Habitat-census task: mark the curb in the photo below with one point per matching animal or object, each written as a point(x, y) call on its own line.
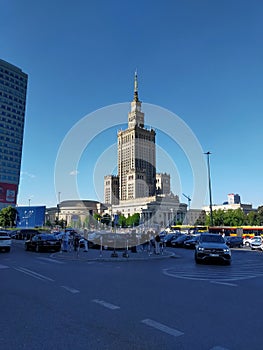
point(111, 259)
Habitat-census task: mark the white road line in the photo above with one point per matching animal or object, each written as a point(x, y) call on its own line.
point(161, 327)
point(4, 267)
point(51, 260)
point(224, 283)
point(106, 304)
point(34, 274)
point(71, 290)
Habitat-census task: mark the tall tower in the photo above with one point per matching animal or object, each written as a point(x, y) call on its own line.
point(13, 88)
point(136, 154)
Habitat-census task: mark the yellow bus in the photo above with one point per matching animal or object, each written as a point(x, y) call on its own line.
point(242, 231)
point(190, 228)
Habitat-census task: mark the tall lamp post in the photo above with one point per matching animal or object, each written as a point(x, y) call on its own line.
point(210, 191)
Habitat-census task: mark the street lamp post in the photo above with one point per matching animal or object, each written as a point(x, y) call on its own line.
point(58, 206)
point(172, 216)
point(210, 191)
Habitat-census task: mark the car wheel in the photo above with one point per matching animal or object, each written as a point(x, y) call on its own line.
point(26, 247)
point(7, 249)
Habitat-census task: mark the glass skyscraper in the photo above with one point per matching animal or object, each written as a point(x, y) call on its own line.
point(13, 88)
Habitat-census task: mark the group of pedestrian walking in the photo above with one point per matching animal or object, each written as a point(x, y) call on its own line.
point(72, 241)
point(151, 242)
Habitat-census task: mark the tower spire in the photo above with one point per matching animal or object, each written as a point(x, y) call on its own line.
point(135, 96)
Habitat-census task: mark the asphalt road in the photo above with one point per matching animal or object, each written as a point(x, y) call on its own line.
point(171, 303)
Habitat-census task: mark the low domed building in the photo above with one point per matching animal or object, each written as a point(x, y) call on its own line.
point(76, 213)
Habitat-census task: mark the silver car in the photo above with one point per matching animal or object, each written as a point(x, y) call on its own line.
point(256, 243)
point(212, 247)
point(5, 241)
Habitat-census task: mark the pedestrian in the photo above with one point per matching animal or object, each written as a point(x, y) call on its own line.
point(86, 245)
point(157, 244)
point(65, 242)
point(150, 237)
point(76, 243)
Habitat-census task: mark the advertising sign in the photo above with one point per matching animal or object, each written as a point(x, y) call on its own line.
point(8, 193)
point(30, 216)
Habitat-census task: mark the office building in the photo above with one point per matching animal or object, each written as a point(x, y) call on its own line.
point(163, 183)
point(233, 198)
point(136, 155)
point(111, 189)
point(138, 188)
point(13, 88)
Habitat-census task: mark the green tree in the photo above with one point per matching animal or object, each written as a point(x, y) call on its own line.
point(106, 219)
point(252, 218)
point(8, 216)
point(133, 220)
point(218, 216)
point(122, 221)
point(260, 215)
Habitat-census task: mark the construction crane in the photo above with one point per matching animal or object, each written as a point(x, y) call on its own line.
point(189, 200)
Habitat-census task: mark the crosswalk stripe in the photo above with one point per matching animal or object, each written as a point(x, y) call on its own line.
point(4, 267)
point(161, 327)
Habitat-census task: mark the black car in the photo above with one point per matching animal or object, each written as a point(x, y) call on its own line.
point(212, 247)
point(234, 241)
point(167, 240)
point(191, 243)
point(179, 241)
point(43, 242)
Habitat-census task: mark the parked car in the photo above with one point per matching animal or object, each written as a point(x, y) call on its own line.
point(43, 242)
point(5, 241)
point(234, 241)
point(191, 243)
point(212, 246)
point(247, 241)
point(179, 241)
point(256, 243)
point(169, 238)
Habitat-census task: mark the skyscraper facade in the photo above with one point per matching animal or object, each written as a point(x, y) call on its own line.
point(111, 189)
point(13, 88)
point(136, 155)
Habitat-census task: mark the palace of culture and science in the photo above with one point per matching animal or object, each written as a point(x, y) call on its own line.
point(138, 188)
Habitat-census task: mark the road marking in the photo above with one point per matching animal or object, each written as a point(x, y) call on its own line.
point(224, 283)
point(161, 327)
point(106, 304)
point(51, 260)
point(4, 267)
point(71, 290)
point(33, 274)
point(206, 273)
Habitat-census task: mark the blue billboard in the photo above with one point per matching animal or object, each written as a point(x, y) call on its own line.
point(30, 216)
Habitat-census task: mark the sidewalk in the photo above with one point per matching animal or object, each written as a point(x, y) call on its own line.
point(108, 255)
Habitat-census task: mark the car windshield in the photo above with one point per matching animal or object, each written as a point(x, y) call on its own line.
point(212, 238)
point(48, 238)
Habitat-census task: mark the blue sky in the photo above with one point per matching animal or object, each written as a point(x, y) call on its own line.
point(201, 60)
